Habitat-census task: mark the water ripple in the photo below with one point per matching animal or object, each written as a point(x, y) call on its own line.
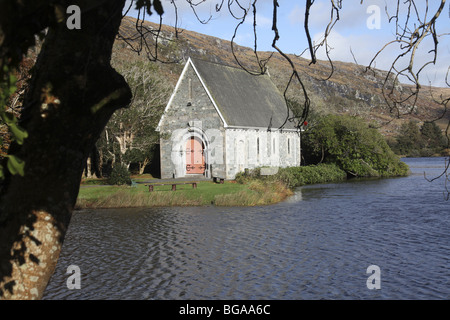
point(316, 247)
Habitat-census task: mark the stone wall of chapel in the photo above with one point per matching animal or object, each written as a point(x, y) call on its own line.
point(252, 148)
point(190, 105)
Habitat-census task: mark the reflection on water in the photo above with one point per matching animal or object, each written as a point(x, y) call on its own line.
point(316, 245)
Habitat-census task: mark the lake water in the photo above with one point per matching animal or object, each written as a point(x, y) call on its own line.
point(316, 245)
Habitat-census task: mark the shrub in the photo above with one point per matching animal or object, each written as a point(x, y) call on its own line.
point(353, 145)
point(248, 175)
point(299, 176)
point(293, 176)
point(119, 176)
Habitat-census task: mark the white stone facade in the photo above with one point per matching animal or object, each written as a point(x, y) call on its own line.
point(193, 113)
point(252, 148)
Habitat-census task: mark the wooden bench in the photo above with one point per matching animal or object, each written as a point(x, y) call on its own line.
point(174, 185)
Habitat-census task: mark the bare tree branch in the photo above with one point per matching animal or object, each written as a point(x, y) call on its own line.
point(409, 37)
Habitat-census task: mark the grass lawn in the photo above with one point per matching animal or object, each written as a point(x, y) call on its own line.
point(228, 194)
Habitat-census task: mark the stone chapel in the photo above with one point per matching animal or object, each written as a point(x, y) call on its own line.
point(221, 120)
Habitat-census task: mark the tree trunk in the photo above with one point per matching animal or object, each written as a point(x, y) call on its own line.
point(92, 168)
point(142, 165)
point(87, 170)
point(96, 162)
point(73, 93)
point(100, 163)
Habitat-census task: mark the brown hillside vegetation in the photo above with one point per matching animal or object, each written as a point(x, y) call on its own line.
point(350, 90)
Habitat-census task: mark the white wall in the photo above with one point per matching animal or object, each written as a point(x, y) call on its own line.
point(252, 148)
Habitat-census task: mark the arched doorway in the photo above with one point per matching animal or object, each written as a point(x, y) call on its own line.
point(195, 156)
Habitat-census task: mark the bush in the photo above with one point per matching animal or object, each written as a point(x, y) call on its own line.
point(119, 176)
point(352, 145)
point(248, 175)
point(295, 176)
point(299, 176)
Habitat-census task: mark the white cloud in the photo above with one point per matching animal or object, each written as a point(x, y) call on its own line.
point(319, 15)
point(263, 21)
point(296, 16)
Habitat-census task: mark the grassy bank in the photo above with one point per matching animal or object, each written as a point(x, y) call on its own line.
point(249, 189)
point(228, 194)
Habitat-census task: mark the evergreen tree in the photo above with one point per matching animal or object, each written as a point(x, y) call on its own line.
point(432, 136)
point(410, 139)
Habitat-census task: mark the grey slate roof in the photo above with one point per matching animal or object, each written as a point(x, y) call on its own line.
point(244, 100)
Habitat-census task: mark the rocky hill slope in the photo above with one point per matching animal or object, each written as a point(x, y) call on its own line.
point(350, 90)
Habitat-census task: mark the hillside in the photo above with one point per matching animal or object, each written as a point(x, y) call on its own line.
point(351, 90)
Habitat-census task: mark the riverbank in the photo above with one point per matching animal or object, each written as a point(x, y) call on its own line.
point(231, 193)
point(249, 189)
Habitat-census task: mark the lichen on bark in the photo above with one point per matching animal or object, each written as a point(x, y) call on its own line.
point(71, 76)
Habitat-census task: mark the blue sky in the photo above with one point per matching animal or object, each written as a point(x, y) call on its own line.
point(358, 29)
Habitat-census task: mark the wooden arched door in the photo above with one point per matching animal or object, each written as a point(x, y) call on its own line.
point(195, 156)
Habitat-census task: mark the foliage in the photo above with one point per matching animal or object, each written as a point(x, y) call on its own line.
point(432, 135)
point(296, 176)
point(130, 135)
point(425, 141)
point(248, 175)
point(321, 173)
point(7, 87)
point(409, 139)
point(353, 145)
point(119, 176)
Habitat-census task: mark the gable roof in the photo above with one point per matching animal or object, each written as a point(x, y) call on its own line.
point(243, 100)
